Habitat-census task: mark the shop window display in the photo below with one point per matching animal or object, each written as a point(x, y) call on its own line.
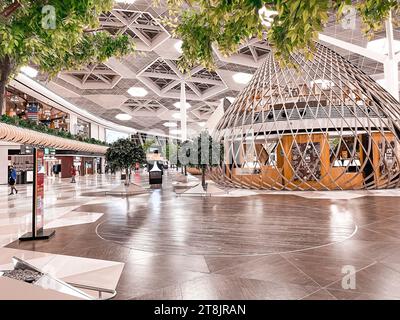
point(28, 108)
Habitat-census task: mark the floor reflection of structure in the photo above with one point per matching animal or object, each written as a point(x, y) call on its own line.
point(199, 248)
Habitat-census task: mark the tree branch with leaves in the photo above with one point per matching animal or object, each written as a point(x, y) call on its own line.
point(25, 37)
point(226, 24)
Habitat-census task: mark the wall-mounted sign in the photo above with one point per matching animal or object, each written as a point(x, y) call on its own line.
point(25, 149)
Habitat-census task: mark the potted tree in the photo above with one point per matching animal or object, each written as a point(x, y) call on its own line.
point(123, 154)
point(208, 153)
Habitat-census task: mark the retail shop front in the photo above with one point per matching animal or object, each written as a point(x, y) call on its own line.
point(84, 163)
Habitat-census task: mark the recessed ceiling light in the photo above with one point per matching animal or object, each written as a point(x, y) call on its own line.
point(176, 115)
point(242, 78)
point(381, 46)
point(178, 46)
point(178, 105)
point(123, 117)
point(170, 124)
point(175, 131)
point(125, 1)
point(137, 92)
point(29, 71)
point(201, 124)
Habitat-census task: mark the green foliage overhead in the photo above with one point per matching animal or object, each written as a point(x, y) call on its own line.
point(124, 153)
point(71, 44)
point(229, 23)
point(68, 39)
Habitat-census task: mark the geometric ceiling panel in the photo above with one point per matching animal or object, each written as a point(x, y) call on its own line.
point(142, 27)
point(202, 112)
point(143, 107)
point(251, 53)
point(164, 78)
point(107, 101)
point(93, 76)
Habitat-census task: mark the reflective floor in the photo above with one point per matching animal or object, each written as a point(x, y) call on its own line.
point(261, 246)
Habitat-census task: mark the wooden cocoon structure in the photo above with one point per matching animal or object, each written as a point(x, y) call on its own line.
point(323, 126)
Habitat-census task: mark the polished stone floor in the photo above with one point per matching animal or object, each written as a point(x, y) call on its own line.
point(260, 246)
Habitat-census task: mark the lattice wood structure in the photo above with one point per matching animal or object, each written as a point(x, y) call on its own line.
point(325, 126)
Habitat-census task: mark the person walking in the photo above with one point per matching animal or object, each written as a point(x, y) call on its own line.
point(12, 180)
point(73, 174)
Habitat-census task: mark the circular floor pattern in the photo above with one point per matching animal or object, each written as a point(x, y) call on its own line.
point(228, 226)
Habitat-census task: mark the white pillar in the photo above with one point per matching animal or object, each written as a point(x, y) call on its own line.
point(183, 112)
point(94, 131)
point(73, 123)
point(103, 164)
point(391, 80)
point(3, 165)
point(102, 133)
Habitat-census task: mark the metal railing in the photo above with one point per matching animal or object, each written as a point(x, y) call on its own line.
point(97, 289)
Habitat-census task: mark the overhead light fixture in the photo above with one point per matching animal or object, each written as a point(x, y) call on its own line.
point(178, 46)
point(137, 92)
point(381, 46)
point(176, 115)
point(266, 16)
point(175, 131)
point(123, 116)
point(125, 1)
point(201, 124)
point(242, 78)
point(170, 124)
point(29, 71)
point(178, 105)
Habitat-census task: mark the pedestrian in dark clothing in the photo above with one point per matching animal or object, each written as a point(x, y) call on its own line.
point(12, 180)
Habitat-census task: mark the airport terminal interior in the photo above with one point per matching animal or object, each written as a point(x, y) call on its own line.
point(102, 196)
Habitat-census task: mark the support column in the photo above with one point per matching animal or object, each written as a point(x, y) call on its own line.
point(3, 165)
point(183, 112)
point(73, 123)
point(391, 80)
point(103, 164)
